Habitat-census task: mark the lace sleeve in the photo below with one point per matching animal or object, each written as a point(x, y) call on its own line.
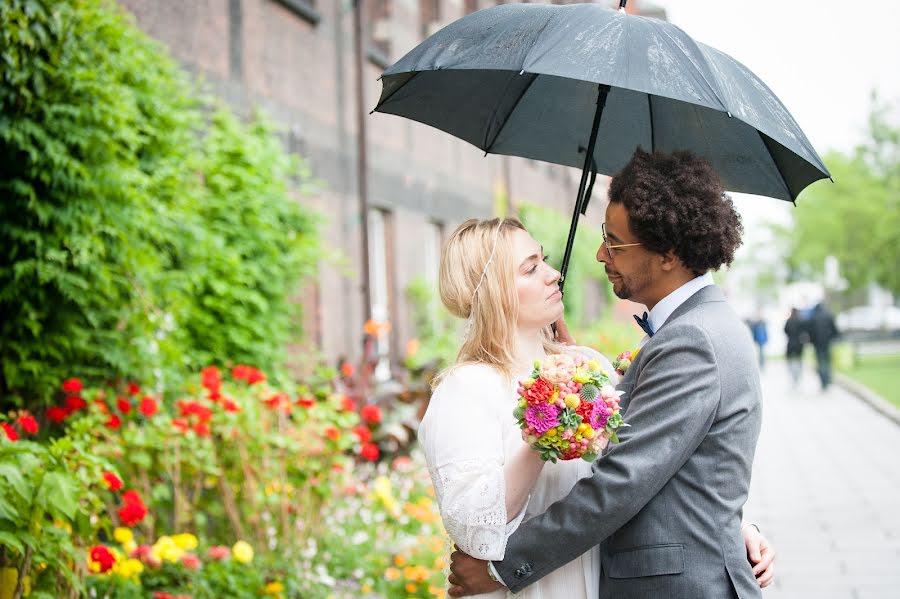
point(471, 496)
point(462, 435)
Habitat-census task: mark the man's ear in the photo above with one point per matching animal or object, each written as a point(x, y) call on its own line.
point(670, 261)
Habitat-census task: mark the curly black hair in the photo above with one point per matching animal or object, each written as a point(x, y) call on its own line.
point(677, 202)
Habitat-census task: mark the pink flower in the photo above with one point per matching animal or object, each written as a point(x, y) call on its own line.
point(542, 417)
point(557, 368)
point(219, 552)
point(600, 415)
point(190, 561)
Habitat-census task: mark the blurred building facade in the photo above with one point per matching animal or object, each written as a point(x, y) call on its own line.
point(296, 60)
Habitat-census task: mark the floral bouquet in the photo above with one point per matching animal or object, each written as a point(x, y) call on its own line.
point(624, 360)
point(567, 408)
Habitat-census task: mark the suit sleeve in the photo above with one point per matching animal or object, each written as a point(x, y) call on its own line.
point(673, 404)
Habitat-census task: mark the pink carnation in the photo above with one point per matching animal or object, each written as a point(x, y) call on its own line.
point(557, 369)
point(542, 417)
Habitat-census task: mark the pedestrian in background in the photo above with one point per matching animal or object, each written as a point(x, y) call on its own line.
point(795, 329)
point(760, 338)
point(822, 333)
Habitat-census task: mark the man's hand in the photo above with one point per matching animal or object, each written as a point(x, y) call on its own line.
point(760, 554)
point(562, 332)
point(469, 576)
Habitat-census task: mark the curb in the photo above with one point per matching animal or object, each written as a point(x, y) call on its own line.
point(867, 395)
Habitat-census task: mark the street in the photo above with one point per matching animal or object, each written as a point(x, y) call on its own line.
point(826, 491)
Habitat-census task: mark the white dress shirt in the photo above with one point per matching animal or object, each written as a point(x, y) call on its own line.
point(664, 308)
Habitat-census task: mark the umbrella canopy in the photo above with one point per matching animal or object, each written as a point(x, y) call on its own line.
point(546, 81)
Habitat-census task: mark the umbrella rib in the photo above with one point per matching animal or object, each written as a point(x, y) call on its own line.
point(488, 146)
point(650, 115)
point(762, 138)
point(398, 88)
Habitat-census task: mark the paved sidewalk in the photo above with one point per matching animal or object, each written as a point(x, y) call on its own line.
point(826, 492)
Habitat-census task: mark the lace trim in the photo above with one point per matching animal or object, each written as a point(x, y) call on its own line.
point(472, 499)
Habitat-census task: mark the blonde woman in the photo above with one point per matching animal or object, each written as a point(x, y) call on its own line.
point(495, 275)
point(488, 480)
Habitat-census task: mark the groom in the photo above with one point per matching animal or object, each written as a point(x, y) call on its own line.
point(665, 503)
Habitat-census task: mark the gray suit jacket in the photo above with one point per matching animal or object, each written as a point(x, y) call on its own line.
point(665, 503)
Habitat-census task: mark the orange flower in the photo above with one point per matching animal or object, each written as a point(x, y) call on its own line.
point(376, 328)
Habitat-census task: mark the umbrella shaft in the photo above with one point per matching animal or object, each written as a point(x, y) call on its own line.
point(582, 199)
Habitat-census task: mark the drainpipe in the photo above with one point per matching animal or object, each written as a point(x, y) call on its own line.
point(360, 53)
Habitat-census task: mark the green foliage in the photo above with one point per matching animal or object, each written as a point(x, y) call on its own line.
point(585, 275)
point(139, 234)
point(857, 218)
point(437, 330)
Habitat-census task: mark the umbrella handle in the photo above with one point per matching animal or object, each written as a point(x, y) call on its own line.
point(584, 191)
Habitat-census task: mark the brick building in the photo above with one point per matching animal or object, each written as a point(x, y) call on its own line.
point(296, 60)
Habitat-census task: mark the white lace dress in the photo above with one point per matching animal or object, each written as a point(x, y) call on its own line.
point(467, 433)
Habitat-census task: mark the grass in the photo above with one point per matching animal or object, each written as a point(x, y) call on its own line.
point(880, 373)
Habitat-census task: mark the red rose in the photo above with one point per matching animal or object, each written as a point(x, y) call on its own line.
point(347, 369)
point(148, 406)
point(101, 405)
point(11, 433)
point(255, 376)
point(332, 433)
point(230, 406)
point(133, 389)
point(211, 378)
point(124, 405)
point(113, 482)
point(362, 433)
point(113, 422)
point(75, 403)
point(371, 414)
point(29, 424)
point(101, 555)
point(369, 452)
point(134, 510)
point(306, 402)
point(72, 385)
point(347, 404)
point(201, 429)
point(56, 414)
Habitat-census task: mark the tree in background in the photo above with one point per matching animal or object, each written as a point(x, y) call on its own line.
point(857, 218)
point(144, 231)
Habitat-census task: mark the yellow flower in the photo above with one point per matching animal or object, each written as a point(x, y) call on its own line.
point(128, 568)
point(392, 574)
point(242, 552)
point(123, 535)
point(273, 588)
point(129, 547)
point(411, 588)
point(439, 563)
point(185, 541)
point(437, 592)
point(366, 588)
point(399, 561)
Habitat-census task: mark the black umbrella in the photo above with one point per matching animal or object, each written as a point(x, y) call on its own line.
point(534, 80)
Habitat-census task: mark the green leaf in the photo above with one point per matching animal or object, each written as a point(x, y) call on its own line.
point(9, 540)
point(58, 494)
point(13, 476)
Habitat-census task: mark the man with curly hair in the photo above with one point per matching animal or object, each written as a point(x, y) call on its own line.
point(665, 504)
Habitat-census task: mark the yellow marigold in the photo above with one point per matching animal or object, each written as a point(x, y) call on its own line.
point(399, 561)
point(123, 535)
point(185, 541)
point(165, 549)
point(439, 563)
point(392, 574)
point(129, 547)
point(437, 593)
point(242, 552)
point(411, 588)
point(273, 588)
point(128, 568)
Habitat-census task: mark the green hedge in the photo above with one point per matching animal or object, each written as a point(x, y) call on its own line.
point(141, 222)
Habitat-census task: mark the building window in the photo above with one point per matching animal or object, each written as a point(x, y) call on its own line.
point(429, 16)
point(380, 31)
point(303, 8)
point(379, 287)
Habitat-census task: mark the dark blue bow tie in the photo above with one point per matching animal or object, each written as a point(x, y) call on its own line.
point(644, 323)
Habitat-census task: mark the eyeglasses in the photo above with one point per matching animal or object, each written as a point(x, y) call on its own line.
point(610, 248)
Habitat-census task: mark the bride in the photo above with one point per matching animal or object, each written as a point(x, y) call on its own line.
point(487, 479)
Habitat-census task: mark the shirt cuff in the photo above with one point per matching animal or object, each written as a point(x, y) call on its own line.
point(495, 574)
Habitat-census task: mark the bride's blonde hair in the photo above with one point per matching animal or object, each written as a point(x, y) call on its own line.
point(477, 283)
